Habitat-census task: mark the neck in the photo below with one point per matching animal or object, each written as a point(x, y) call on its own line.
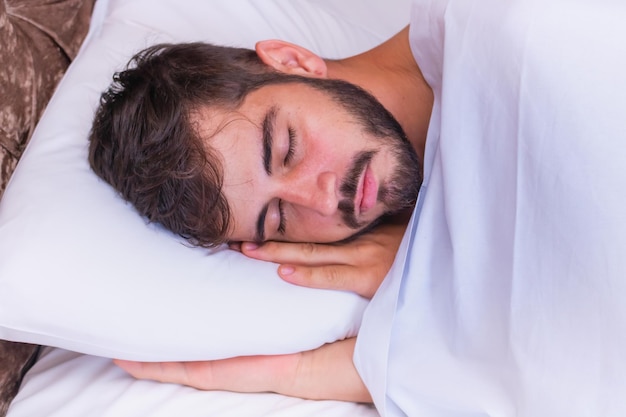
point(391, 74)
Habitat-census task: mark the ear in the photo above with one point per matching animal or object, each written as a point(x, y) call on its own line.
point(291, 59)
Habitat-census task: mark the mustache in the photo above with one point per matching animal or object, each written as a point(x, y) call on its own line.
point(349, 187)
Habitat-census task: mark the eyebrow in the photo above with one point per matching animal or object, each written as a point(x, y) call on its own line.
point(268, 134)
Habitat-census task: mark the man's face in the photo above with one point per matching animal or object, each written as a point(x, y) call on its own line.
point(298, 167)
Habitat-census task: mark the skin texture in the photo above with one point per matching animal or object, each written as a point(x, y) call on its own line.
point(315, 150)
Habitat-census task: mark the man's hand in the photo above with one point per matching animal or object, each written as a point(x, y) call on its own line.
point(358, 266)
point(323, 373)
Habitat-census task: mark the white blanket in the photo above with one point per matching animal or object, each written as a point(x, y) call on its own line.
point(512, 298)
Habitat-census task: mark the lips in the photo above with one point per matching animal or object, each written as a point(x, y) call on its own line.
point(367, 193)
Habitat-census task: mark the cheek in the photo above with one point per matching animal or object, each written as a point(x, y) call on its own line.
point(310, 227)
point(334, 142)
point(327, 157)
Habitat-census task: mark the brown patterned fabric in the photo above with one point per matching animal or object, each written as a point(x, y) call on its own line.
point(15, 359)
point(38, 40)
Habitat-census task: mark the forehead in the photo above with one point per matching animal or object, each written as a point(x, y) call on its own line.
point(286, 96)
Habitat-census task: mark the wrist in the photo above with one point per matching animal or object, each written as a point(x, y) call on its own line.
point(328, 373)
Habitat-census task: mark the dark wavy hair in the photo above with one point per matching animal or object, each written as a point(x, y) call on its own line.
point(144, 144)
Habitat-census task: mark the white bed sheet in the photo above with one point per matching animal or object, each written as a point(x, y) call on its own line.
point(68, 384)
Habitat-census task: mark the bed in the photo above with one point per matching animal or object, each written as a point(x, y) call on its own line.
point(87, 279)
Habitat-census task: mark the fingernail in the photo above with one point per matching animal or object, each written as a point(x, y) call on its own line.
point(250, 246)
point(286, 270)
point(126, 365)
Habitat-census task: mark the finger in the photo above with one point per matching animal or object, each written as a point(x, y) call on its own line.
point(242, 374)
point(298, 253)
point(200, 374)
point(332, 277)
point(235, 246)
point(174, 372)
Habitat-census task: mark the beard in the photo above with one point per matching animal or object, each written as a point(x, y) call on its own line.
point(401, 191)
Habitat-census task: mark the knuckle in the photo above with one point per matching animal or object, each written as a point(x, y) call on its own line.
point(334, 277)
point(309, 249)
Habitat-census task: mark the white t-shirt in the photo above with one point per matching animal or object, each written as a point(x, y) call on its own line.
point(508, 294)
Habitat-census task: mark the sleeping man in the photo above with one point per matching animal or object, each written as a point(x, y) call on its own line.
point(506, 294)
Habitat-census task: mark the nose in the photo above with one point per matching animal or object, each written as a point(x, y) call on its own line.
point(318, 193)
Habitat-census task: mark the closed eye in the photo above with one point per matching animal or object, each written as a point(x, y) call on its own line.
point(292, 145)
point(281, 215)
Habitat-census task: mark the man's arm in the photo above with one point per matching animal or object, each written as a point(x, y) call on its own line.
point(324, 373)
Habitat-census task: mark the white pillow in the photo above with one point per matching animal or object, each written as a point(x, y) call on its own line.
point(81, 270)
